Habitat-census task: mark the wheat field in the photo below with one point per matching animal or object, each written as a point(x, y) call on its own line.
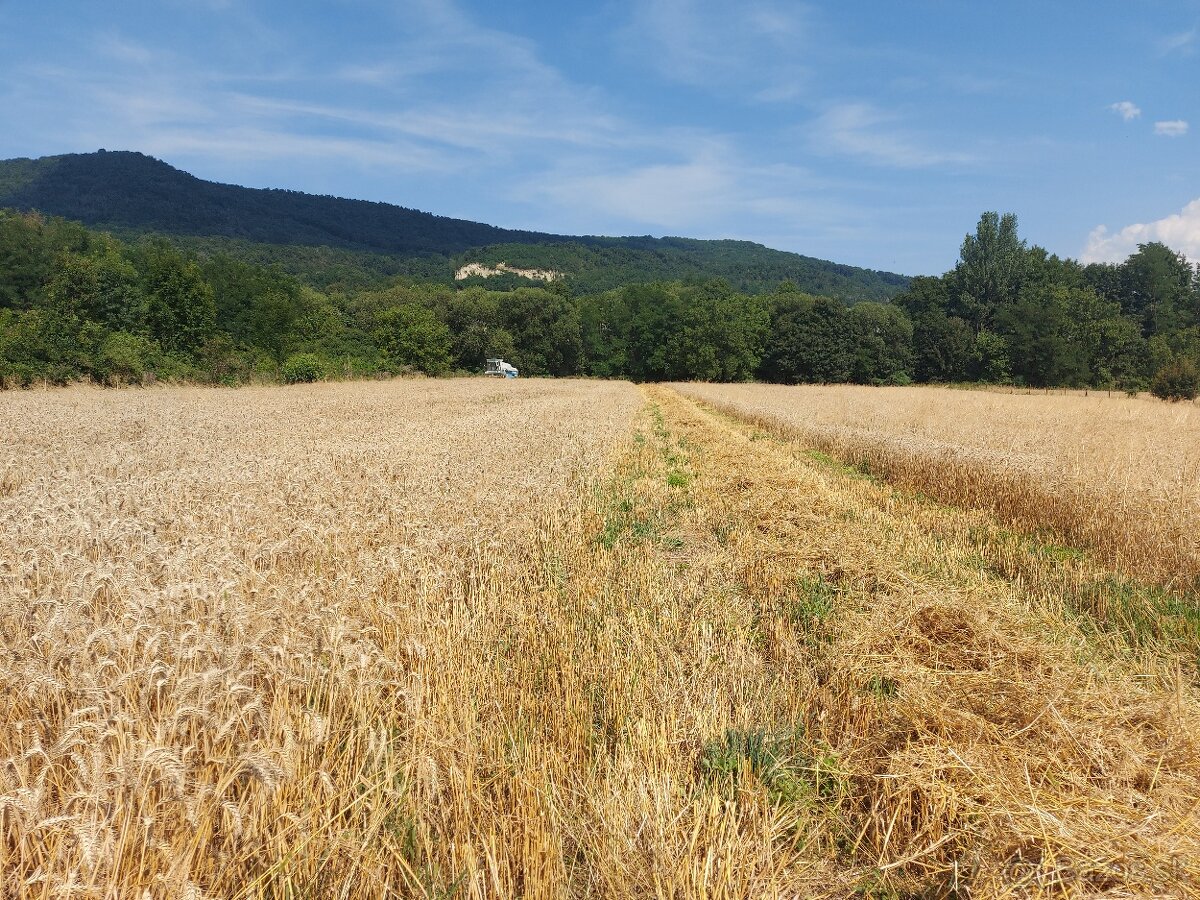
point(1118, 473)
point(214, 608)
point(555, 639)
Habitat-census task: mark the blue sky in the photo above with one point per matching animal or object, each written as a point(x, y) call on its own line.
point(870, 133)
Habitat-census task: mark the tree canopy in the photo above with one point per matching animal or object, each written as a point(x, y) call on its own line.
point(77, 303)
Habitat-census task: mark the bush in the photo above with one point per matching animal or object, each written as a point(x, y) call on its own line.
point(303, 367)
point(127, 357)
point(1177, 380)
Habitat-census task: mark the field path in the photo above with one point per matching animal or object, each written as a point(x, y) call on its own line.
point(808, 684)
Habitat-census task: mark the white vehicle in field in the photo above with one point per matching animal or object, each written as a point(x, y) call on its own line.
point(500, 369)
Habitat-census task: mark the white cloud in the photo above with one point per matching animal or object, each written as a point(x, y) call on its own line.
point(703, 193)
point(1180, 232)
point(1182, 42)
point(1126, 109)
point(1172, 128)
point(751, 47)
point(863, 130)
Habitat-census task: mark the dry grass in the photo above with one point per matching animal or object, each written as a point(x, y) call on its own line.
point(1118, 474)
point(270, 643)
point(981, 744)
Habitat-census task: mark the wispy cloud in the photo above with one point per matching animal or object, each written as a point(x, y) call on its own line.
point(878, 137)
point(1179, 231)
point(750, 48)
point(1172, 128)
point(702, 193)
point(151, 99)
point(1126, 109)
point(1180, 42)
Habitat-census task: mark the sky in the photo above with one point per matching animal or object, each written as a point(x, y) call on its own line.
point(869, 133)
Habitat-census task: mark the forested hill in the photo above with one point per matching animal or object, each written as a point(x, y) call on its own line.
point(132, 193)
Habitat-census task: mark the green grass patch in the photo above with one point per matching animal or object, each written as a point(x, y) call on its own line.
point(633, 518)
point(626, 522)
point(1044, 546)
point(858, 471)
point(789, 769)
point(883, 687)
point(1144, 615)
point(811, 603)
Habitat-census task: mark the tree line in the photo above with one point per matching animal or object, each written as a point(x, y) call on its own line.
point(81, 304)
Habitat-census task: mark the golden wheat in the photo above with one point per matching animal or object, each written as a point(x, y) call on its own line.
point(545, 639)
point(214, 606)
point(1117, 473)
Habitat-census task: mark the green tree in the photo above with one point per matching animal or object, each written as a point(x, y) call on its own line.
point(942, 344)
point(653, 310)
point(1177, 380)
point(258, 307)
point(545, 328)
point(303, 368)
point(810, 341)
point(604, 335)
point(181, 311)
point(990, 358)
point(126, 357)
point(101, 286)
point(719, 335)
point(881, 344)
point(410, 336)
point(41, 343)
point(1158, 289)
point(991, 269)
point(1044, 347)
point(24, 260)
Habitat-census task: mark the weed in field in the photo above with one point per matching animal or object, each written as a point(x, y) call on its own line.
point(788, 772)
point(810, 603)
point(883, 687)
point(677, 479)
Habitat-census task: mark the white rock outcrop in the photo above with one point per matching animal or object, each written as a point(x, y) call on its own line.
point(479, 270)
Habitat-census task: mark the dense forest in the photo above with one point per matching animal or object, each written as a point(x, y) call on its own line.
point(331, 242)
point(76, 303)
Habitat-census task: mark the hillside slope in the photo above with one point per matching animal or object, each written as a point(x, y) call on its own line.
point(136, 194)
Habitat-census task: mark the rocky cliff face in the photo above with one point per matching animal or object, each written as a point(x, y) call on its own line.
point(479, 270)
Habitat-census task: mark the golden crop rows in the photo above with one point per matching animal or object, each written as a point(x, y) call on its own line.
point(564, 639)
point(1117, 473)
point(211, 603)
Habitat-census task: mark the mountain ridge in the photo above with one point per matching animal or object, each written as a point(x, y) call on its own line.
point(132, 192)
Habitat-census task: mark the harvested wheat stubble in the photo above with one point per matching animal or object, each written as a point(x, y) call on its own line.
point(1115, 473)
point(213, 607)
point(975, 744)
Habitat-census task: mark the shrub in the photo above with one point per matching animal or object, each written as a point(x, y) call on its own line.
point(1177, 380)
point(126, 357)
point(303, 367)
